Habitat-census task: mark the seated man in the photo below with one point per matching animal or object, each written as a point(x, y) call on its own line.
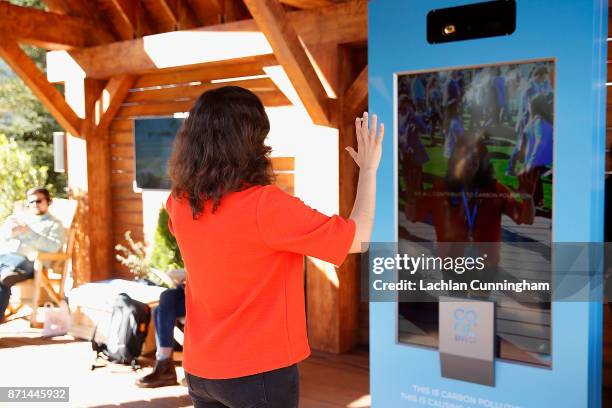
point(171, 307)
point(22, 236)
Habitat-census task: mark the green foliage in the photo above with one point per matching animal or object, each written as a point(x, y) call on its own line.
point(166, 254)
point(23, 118)
point(17, 174)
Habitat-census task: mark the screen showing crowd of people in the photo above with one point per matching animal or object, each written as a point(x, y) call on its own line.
point(475, 165)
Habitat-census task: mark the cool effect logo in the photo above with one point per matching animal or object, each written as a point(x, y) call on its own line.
point(465, 320)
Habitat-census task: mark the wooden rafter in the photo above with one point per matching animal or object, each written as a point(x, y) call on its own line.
point(272, 21)
point(124, 18)
point(234, 10)
point(340, 24)
point(111, 99)
point(127, 18)
point(48, 30)
point(356, 96)
point(208, 12)
point(185, 14)
point(162, 15)
point(46, 93)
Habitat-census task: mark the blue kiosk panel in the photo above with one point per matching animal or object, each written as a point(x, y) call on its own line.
point(568, 38)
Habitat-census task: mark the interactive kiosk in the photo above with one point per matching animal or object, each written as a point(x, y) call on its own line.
point(495, 148)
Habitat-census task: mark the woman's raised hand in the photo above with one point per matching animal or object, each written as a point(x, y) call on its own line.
point(369, 143)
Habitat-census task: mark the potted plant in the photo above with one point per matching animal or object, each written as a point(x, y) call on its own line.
point(165, 266)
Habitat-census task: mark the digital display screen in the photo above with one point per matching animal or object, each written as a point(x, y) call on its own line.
point(475, 165)
point(153, 140)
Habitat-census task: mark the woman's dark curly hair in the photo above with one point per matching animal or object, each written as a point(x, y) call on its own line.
point(470, 144)
point(220, 148)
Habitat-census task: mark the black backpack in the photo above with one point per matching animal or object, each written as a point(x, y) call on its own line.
point(127, 332)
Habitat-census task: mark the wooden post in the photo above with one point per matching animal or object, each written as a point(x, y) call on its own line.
point(99, 187)
point(333, 293)
point(89, 183)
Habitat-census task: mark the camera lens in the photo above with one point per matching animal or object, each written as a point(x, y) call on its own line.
point(449, 29)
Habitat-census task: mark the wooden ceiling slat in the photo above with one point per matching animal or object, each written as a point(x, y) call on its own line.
point(127, 18)
point(306, 4)
point(208, 12)
point(185, 14)
point(234, 10)
point(193, 91)
point(162, 15)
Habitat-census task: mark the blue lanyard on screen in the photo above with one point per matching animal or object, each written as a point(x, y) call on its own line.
point(470, 216)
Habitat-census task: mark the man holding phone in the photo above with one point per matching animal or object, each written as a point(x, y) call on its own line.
point(22, 236)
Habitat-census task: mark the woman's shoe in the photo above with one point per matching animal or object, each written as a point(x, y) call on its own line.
point(163, 374)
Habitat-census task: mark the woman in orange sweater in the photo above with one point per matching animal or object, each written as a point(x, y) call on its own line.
point(243, 241)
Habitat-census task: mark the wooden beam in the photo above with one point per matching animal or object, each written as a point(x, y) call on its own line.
point(356, 96)
point(271, 19)
point(164, 108)
point(206, 72)
point(339, 24)
point(111, 99)
point(193, 91)
point(46, 93)
point(48, 30)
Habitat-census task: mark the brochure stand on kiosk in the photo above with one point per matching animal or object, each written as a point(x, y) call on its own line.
point(495, 136)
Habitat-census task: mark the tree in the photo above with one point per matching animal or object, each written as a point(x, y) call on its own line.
point(24, 119)
point(17, 173)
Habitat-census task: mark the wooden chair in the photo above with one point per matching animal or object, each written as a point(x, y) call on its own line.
point(51, 269)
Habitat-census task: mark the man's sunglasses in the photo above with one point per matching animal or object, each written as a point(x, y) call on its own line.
point(40, 200)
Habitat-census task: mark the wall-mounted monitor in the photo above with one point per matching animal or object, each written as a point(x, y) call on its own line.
point(153, 138)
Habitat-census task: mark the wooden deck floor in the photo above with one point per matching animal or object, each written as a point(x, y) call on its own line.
point(327, 381)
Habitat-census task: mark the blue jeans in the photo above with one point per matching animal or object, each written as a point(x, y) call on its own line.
point(278, 388)
point(171, 306)
point(14, 268)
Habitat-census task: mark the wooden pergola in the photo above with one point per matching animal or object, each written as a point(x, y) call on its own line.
point(122, 59)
